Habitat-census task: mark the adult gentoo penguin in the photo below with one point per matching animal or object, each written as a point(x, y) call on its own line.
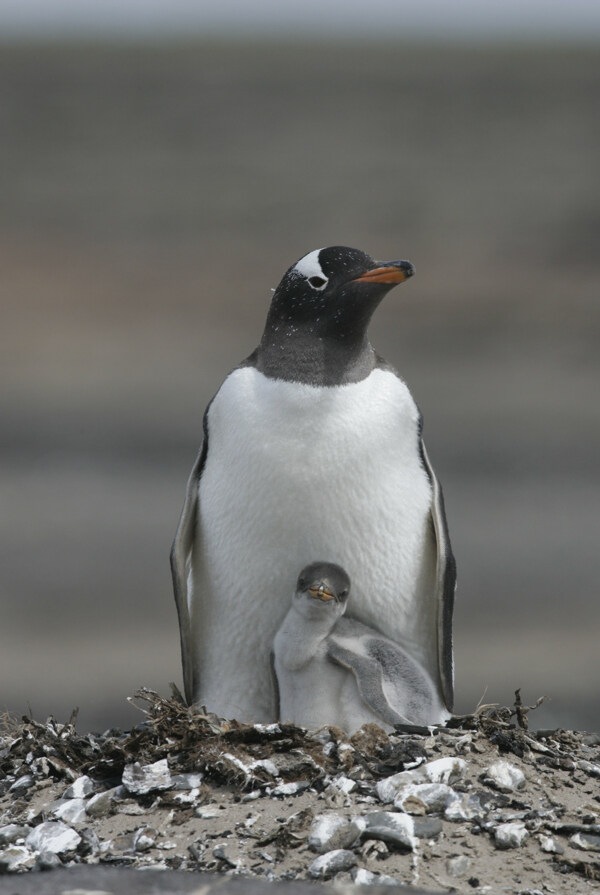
point(331, 669)
point(312, 447)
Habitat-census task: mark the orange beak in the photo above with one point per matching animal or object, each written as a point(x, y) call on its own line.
point(321, 593)
point(387, 273)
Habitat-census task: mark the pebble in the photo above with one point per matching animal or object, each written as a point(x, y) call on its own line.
point(289, 789)
point(10, 832)
point(332, 862)
point(17, 857)
point(142, 779)
point(442, 770)
point(80, 788)
point(53, 836)
point(395, 829)
point(363, 877)
point(264, 764)
point(551, 846)
point(510, 835)
point(71, 810)
point(21, 785)
point(592, 769)
point(427, 827)
point(332, 831)
point(47, 860)
point(186, 781)
point(425, 798)
point(585, 841)
point(144, 839)
point(504, 777)
point(457, 866)
point(467, 806)
point(344, 784)
point(102, 804)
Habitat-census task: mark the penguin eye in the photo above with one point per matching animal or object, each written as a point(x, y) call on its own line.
point(317, 282)
point(344, 593)
point(301, 584)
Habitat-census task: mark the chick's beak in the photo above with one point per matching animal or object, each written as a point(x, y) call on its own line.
point(320, 592)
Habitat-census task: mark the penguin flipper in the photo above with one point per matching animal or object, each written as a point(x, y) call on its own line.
point(369, 673)
point(445, 584)
point(275, 681)
point(181, 562)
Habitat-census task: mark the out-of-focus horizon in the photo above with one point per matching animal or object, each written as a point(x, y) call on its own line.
point(467, 20)
point(152, 195)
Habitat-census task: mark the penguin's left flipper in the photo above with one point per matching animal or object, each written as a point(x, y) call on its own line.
point(181, 563)
point(391, 683)
point(445, 584)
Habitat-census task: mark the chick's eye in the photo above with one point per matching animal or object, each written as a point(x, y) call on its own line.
point(301, 584)
point(317, 282)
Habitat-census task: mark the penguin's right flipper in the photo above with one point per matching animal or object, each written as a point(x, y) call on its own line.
point(181, 564)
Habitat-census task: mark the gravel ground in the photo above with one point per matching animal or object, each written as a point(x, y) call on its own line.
point(482, 806)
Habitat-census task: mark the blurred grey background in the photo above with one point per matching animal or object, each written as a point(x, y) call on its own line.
point(158, 175)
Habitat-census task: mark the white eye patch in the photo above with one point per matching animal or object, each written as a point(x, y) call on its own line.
point(310, 268)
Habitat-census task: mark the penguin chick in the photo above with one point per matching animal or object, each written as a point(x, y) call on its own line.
point(333, 670)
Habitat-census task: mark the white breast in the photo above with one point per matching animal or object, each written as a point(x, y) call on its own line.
point(296, 474)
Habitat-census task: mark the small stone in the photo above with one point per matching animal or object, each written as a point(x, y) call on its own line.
point(268, 730)
point(551, 846)
point(131, 808)
point(21, 785)
point(374, 849)
point(363, 877)
point(47, 860)
point(443, 770)
point(142, 779)
point(330, 832)
point(290, 789)
point(510, 835)
point(80, 788)
point(504, 777)
point(186, 781)
point(15, 858)
point(427, 827)
point(266, 765)
point(40, 766)
point(587, 767)
point(423, 798)
point(467, 806)
point(90, 843)
point(396, 829)
point(144, 839)
point(332, 862)
point(11, 832)
point(344, 784)
point(72, 811)
point(220, 853)
point(586, 841)
point(457, 866)
point(101, 805)
point(53, 836)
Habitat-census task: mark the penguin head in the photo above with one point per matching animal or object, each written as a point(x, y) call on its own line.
point(335, 290)
point(322, 588)
point(316, 328)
